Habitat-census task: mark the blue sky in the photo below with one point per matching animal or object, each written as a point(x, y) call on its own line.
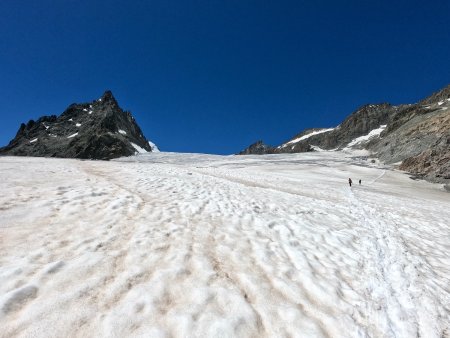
point(215, 76)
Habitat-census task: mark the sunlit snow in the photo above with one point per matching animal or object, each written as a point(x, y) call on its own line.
point(34, 140)
point(304, 137)
point(189, 245)
point(73, 135)
point(154, 147)
point(373, 133)
point(139, 149)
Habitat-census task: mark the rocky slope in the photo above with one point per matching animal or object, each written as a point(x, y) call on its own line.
point(95, 130)
point(258, 148)
point(419, 138)
point(416, 136)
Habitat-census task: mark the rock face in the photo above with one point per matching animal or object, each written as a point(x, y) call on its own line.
point(417, 135)
point(95, 130)
point(257, 148)
point(419, 138)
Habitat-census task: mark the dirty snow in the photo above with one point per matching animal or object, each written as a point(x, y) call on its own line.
point(188, 245)
point(304, 137)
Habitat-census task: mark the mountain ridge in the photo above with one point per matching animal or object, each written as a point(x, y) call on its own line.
point(416, 135)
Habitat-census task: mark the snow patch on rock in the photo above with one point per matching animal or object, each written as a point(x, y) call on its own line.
point(139, 150)
point(304, 137)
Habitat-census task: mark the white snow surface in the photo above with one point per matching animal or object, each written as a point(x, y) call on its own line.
point(304, 137)
point(139, 149)
point(34, 140)
point(373, 133)
point(154, 147)
point(189, 245)
point(73, 135)
point(123, 132)
point(78, 124)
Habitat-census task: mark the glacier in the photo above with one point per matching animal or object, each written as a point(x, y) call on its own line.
point(194, 245)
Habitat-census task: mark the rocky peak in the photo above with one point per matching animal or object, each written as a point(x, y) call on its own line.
point(108, 99)
point(259, 147)
point(96, 130)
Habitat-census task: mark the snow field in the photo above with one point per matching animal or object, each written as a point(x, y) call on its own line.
point(192, 245)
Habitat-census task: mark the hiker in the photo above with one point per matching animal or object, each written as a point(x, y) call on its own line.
point(350, 181)
point(359, 182)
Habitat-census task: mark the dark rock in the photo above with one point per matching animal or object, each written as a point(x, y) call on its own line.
point(96, 130)
point(257, 148)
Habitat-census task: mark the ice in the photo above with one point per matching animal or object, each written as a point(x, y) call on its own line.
point(73, 135)
point(195, 245)
point(371, 134)
point(139, 150)
point(34, 140)
point(304, 137)
point(123, 132)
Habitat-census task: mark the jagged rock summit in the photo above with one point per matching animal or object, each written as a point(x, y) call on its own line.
point(96, 130)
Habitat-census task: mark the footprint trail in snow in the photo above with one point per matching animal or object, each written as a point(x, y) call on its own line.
point(176, 245)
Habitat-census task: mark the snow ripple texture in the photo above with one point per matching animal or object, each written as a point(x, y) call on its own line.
point(185, 245)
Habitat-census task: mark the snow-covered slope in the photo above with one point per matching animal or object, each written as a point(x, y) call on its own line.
point(305, 137)
point(186, 245)
point(365, 138)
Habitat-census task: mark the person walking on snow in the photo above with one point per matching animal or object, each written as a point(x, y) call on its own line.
point(350, 182)
point(359, 182)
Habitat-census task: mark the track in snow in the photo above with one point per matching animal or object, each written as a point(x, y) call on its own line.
point(195, 245)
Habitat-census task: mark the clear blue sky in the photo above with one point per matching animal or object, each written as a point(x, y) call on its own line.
point(214, 76)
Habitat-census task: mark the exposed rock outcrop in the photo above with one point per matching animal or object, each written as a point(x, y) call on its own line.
point(257, 148)
point(95, 130)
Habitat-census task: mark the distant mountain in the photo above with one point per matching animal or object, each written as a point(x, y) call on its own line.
point(417, 136)
point(95, 130)
point(259, 148)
